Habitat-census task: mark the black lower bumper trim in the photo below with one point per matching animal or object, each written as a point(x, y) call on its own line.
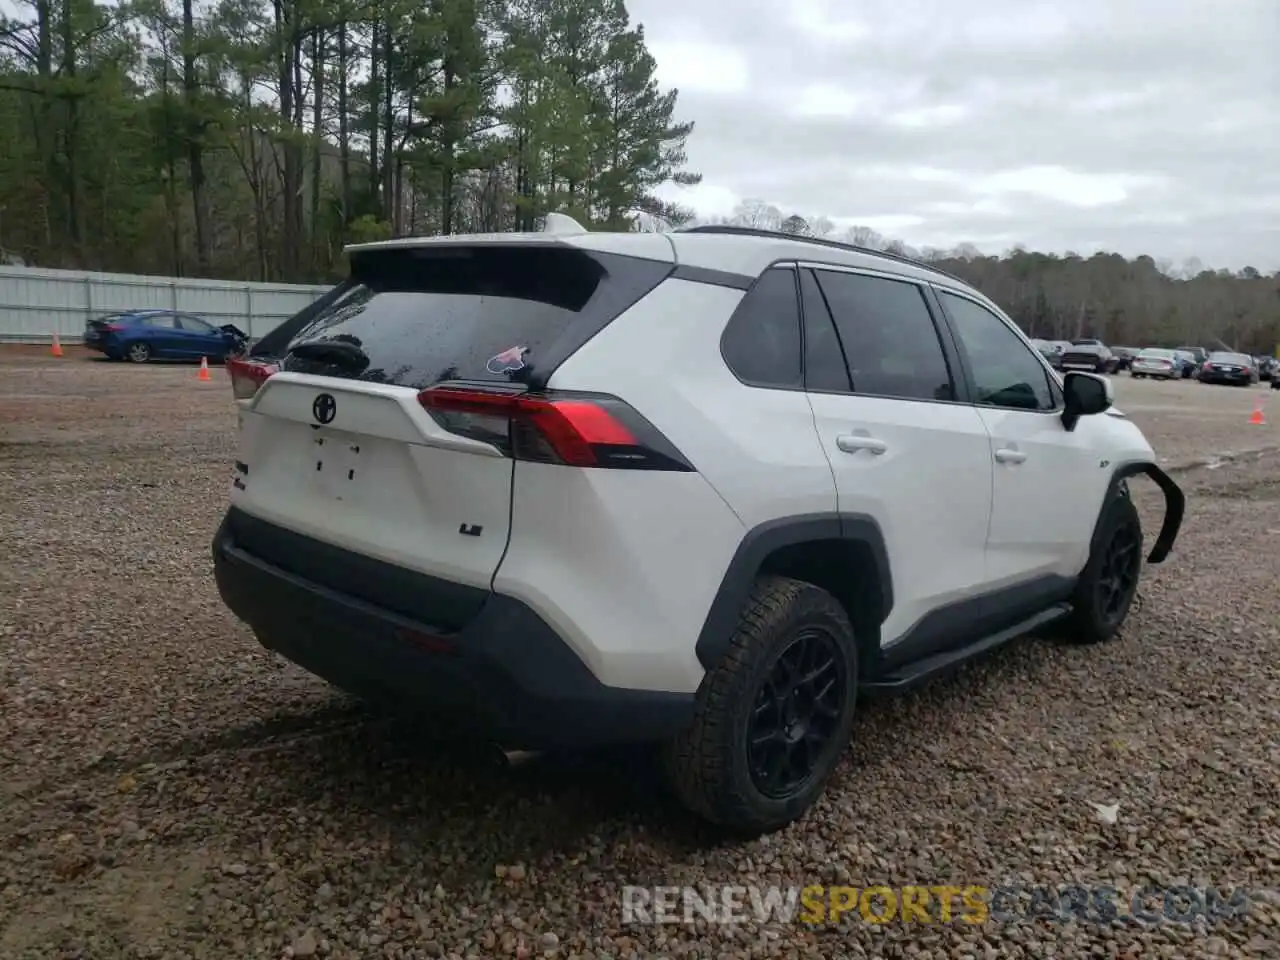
point(505, 676)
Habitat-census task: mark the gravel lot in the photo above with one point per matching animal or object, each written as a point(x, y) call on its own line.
point(168, 790)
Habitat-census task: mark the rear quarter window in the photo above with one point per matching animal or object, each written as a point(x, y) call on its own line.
point(423, 315)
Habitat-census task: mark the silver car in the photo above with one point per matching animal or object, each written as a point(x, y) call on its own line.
point(1154, 362)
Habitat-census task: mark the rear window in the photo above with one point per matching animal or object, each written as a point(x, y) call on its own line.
point(418, 316)
point(1235, 358)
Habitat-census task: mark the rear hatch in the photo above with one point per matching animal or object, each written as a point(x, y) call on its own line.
point(1154, 362)
point(340, 446)
point(96, 329)
point(1081, 356)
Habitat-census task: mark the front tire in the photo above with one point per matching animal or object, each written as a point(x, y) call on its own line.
point(774, 715)
point(1109, 581)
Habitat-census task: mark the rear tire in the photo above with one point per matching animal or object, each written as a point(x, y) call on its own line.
point(1109, 581)
point(774, 716)
point(137, 353)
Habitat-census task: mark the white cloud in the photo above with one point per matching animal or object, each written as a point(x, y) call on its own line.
point(827, 23)
point(700, 67)
point(827, 100)
point(993, 121)
point(938, 115)
point(1059, 184)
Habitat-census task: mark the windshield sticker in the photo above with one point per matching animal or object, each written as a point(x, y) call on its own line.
point(508, 361)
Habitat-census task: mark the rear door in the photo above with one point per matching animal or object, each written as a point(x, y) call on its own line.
point(337, 445)
point(161, 333)
point(902, 447)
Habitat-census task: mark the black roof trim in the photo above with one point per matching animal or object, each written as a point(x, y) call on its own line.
point(821, 242)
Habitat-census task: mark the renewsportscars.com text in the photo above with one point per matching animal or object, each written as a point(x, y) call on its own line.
point(974, 904)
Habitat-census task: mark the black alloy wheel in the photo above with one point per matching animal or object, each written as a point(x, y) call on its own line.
point(1118, 577)
point(796, 715)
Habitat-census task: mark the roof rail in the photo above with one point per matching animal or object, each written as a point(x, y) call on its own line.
point(820, 241)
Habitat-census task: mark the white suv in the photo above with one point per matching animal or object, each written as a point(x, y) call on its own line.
point(699, 489)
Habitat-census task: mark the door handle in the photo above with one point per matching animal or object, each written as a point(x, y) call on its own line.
point(853, 442)
point(1005, 455)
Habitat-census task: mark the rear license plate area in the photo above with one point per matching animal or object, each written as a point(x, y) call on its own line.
point(336, 465)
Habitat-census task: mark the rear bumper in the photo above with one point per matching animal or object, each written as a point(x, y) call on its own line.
point(1207, 377)
point(108, 346)
point(504, 675)
point(1085, 366)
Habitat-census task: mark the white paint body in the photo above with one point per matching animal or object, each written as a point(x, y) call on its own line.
point(624, 565)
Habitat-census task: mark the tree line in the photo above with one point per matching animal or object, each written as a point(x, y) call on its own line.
point(253, 139)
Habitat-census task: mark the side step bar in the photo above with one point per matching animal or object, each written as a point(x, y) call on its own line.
point(913, 674)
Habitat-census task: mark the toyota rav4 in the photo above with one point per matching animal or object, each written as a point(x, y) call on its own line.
point(698, 489)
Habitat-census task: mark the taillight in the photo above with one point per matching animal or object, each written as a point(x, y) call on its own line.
point(112, 328)
point(577, 430)
point(248, 376)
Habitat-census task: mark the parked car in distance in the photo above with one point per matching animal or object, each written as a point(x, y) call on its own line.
point(1267, 367)
point(1056, 348)
point(1187, 365)
point(1199, 354)
point(1049, 349)
point(142, 335)
point(1088, 355)
point(1229, 368)
point(1156, 362)
point(1124, 357)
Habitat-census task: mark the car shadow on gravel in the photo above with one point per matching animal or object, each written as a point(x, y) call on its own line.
point(364, 772)
point(356, 772)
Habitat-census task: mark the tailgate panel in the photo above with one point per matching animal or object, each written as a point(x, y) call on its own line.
point(380, 478)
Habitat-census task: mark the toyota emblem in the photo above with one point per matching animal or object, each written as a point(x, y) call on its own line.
point(324, 408)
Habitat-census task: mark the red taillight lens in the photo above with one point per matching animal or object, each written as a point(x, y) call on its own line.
point(112, 328)
point(248, 376)
point(577, 431)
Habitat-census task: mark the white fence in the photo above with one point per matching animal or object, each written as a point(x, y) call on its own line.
point(36, 303)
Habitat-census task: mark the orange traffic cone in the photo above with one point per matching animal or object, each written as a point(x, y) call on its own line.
point(1256, 418)
point(57, 346)
point(204, 369)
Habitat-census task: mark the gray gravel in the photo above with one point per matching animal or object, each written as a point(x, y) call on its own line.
point(169, 790)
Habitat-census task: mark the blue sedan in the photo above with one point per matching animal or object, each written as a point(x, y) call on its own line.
point(142, 335)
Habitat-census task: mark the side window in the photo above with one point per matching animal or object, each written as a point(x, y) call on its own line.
point(888, 336)
point(1005, 371)
point(194, 324)
point(825, 368)
point(163, 321)
point(761, 344)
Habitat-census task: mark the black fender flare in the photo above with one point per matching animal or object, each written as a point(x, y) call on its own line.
point(762, 540)
point(1175, 506)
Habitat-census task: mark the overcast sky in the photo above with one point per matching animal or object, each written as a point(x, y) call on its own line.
point(1140, 126)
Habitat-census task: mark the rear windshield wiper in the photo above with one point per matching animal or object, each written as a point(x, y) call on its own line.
point(336, 352)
